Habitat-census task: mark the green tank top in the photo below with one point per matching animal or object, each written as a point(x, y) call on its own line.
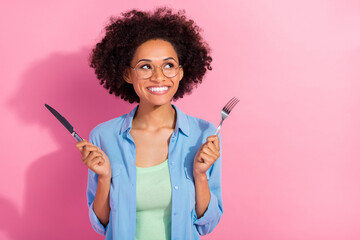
point(153, 203)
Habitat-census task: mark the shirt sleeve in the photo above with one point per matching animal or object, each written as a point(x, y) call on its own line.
point(90, 194)
point(214, 211)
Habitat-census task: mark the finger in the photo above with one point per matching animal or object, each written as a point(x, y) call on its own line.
point(100, 150)
point(98, 160)
point(210, 152)
point(91, 156)
point(103, 154)
point(207, 159)
point(215, 140)
point(86, 149)
point(81, 144)
point(212, 146)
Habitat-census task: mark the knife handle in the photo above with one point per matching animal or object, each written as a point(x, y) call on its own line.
point(77, 137)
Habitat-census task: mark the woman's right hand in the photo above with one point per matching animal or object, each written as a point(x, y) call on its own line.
point(95, 159)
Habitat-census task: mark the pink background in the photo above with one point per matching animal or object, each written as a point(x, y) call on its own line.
point(291, 166)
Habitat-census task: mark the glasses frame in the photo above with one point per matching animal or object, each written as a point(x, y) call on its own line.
point(153, 70)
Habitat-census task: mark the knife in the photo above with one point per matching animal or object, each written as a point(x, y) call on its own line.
point(64, 122)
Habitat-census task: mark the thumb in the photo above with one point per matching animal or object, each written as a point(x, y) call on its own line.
point(102, 152)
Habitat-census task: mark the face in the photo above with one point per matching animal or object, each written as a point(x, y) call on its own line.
point(157, 89)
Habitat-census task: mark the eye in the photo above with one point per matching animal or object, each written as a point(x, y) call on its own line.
point(168, 65)
point(145, 67)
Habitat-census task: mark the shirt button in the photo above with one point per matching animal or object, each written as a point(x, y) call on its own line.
point(172, 163)
point(176, 187)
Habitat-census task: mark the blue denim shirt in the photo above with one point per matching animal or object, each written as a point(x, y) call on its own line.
point(190, 133)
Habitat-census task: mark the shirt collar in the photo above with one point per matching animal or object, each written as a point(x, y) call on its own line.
point(182, 122)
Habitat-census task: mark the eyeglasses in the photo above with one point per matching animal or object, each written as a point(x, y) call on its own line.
point(146, 70)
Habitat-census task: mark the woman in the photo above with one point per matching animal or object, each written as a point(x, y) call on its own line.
point(155, 172)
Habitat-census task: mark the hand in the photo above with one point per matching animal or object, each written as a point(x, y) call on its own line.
point(95, 159)
point(207, 154)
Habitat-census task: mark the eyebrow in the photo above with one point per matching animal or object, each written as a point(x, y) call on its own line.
point(148, 60)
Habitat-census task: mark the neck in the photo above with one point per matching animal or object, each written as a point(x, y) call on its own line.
point(152, 117)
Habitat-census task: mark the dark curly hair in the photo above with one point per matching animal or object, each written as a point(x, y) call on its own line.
point(124, 34)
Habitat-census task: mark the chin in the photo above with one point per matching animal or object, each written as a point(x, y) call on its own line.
point(157, 101)
point(161, 103)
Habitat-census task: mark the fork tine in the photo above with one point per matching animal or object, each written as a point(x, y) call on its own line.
point(231, 104)
point(226, 107)
point(228, 104)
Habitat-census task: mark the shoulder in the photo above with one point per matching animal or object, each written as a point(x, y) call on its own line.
point(194, 122)
point(106, 129)
point(201, 124)
point(196, 126)
point(108, 125)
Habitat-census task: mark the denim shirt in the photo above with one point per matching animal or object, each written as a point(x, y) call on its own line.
point(190, 133)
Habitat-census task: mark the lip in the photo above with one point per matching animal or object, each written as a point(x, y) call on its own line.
point(158, 86)
point(158, 93)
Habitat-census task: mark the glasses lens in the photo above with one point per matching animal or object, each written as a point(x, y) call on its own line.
point(170, 69)
point(146, 70)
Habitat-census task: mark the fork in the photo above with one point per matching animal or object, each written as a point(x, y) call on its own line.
point(226, 111)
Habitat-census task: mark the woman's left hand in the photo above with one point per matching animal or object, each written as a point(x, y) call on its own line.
point(207, 154)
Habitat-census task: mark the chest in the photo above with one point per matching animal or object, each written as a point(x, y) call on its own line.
point(151, 147)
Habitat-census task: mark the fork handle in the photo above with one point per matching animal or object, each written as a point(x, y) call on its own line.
point(219, 127)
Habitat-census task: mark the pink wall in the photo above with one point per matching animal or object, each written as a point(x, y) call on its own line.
point(290, 148)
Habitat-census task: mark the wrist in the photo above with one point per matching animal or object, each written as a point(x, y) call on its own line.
point(200, 177)
point(104, 178)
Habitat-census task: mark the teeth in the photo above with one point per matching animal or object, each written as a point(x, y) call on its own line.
point(158, 89)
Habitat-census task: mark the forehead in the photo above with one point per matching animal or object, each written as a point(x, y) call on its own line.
point(155, 50)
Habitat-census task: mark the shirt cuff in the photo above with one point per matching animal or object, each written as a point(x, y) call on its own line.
point(211, 212)
point(95, 222)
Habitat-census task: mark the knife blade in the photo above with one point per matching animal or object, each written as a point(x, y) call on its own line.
point(64, 122)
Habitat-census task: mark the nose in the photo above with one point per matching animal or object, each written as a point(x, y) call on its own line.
point(158, 74)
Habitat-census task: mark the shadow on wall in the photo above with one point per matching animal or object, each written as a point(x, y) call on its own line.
point(55, 198)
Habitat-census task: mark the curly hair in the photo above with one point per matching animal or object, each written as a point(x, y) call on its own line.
point(124, 34)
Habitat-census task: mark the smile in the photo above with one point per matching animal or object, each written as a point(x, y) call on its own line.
point(158, 90)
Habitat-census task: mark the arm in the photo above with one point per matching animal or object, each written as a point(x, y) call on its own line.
point(208, 206)
point(100, 179)
point(202, 195)
point(101, 204)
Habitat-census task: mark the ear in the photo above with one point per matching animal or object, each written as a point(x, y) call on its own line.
point(181, 73)
point(126, 75)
